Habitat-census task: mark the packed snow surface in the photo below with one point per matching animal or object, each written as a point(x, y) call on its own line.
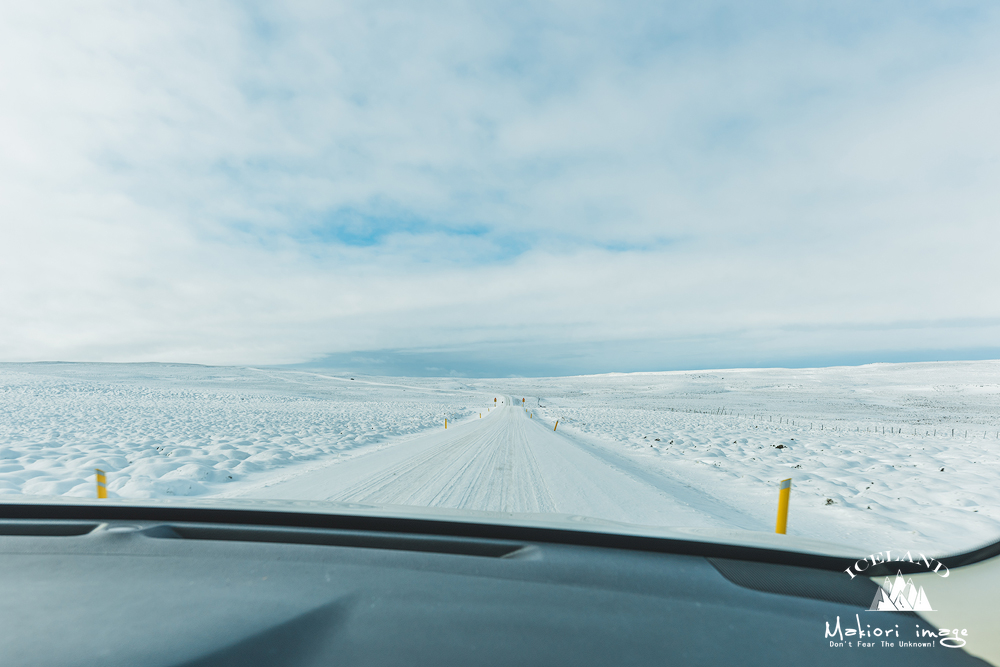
point(880, 456)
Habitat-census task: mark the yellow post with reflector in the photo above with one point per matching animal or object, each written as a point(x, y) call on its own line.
point(102, 484)
point(783, 495)
point(556, 426)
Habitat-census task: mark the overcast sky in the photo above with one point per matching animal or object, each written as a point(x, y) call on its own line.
point(500, 188)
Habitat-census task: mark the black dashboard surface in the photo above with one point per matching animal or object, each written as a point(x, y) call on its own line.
point(174, 593)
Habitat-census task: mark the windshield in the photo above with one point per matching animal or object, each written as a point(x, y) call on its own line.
point(490, 258)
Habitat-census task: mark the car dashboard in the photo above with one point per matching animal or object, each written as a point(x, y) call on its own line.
point(133, 586)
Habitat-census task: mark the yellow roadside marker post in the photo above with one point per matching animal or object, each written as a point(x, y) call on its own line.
point(446, 422)
point(783, 495)
point(556, 426)
point(102, 484)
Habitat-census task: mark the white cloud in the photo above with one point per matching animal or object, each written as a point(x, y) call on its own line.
point(167, 172)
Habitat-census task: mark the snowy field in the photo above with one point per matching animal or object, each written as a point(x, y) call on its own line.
point(880, 455)
point(884, 453)
point(180, 430)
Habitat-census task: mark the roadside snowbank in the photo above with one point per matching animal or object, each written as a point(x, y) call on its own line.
point(178, 430)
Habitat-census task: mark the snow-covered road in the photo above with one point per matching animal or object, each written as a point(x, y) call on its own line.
point(508, 461)
point(904, 454)
point(488, 465)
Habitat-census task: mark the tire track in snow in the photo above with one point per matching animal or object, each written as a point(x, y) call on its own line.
point(491, 469)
